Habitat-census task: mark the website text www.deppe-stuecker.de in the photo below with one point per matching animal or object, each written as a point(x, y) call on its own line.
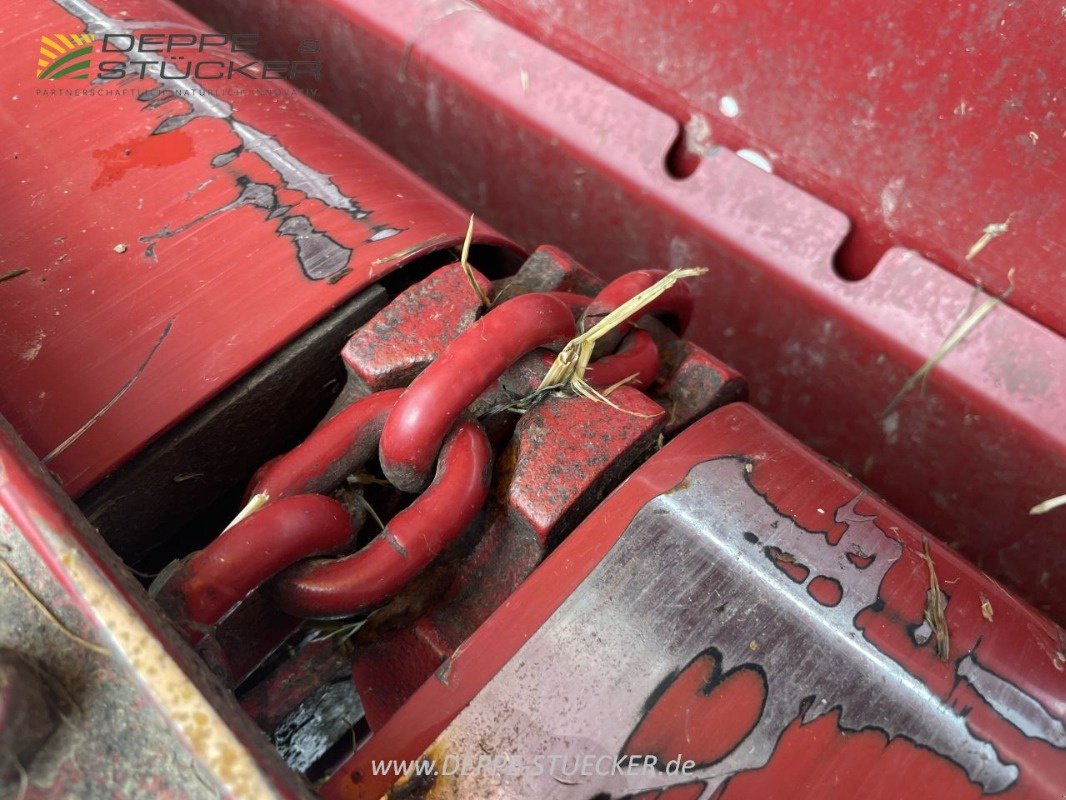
point(566, 767)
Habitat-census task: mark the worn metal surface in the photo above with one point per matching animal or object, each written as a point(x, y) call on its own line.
point(740, 604)
point(104, 709)
point(237, 214)
point(548, 151)
point(137, 712)
point(563, 456)
point(402, 340)
point(934, 120)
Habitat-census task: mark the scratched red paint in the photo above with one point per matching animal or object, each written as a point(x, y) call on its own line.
point(841, 759)
point(826, 591)
point(795, 571)
point(817, 759)
point(836, 764)
point(702, 715)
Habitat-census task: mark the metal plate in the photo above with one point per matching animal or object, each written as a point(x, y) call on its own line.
point(741, 605)
point(923, 123)
point(175, 234)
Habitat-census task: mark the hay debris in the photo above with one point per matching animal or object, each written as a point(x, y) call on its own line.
point(465, 254)
point(935, 607)
point(1048, 505)
point(568, 369)
point(951, 341)
point(62, 446)
point(370, 510)
point(334, 630)
point(986, 608)
point(990, 232)
point(254, 504)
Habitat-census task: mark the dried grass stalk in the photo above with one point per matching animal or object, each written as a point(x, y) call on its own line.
point(953, 339)
point(1048, 505)
point(481, 296)
point(986, 608)
point(253, 505)
point(990, 232)
point(935, 607)
point(569, 366)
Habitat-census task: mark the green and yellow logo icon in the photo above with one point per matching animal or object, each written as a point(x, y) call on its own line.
point(65, 55)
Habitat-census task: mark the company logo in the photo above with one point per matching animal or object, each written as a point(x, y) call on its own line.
point(169, 56)
point(65, 55)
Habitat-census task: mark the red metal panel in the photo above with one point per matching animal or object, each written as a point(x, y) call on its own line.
point(549, 152)
point(1003, 662)
point(923, 122)
point(173, 241)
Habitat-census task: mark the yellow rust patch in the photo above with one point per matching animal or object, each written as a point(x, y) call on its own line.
point(209, 738)
point(413, 786)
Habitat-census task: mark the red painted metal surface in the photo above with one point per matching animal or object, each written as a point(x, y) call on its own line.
point(384, 355)
point(970, 454)
point(932, 189)
point(564, 454)
point(172, 240)
point(293, 527)
point(637, 359)
point(1012, 641)
point(933, 121)
point(676, 303)
point(205, 591)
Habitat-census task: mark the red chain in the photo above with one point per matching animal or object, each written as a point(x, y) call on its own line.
point(408, 428)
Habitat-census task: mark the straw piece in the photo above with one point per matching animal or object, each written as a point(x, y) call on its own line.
point(990, 232)
point(953, 339)
point(256, 503)
point(1048, 505)
point(935, 607)
point(986, 608)
point(570, 365)
point(481, 296)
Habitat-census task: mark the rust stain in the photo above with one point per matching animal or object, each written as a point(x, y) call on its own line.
point(208, 735)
